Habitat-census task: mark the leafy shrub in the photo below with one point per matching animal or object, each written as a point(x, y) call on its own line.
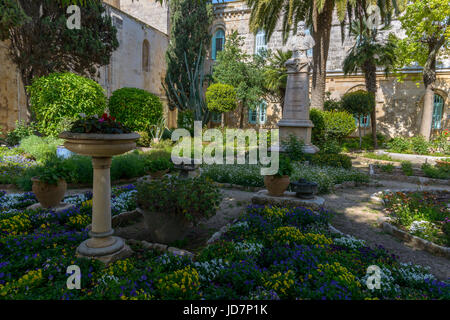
point(185, 120)
point(285, 167)
point(61, 97)
point(388, 168)
point(331, 125)
point(407, 168)
point(40, 147)
point(159, 164)
point(194, 199)
point(53, 170)
point(338, 124)
point(399, 145)
point(331, 104)
point(318, 131)
point(221, 98)
point(22, 130)
point(330, 146)
point(436, 172)
point(358, 103)
point(332, 160)
point(420, 145)
point(145, 140)
point(136, 108)
point(294, 148)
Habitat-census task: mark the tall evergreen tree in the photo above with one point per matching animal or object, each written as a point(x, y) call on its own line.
point(189, 29)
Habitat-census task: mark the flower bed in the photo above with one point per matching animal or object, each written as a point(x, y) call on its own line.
point(423, 214)
point(250, 175)
point(270, 253)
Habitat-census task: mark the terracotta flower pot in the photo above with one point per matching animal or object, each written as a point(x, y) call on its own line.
point(276, 185)
point(165, 228)
point(158, 174)
point(49, 195)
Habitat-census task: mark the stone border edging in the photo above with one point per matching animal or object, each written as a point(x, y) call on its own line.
point(414, 158)
point(416, 242)
point(411, 179)
point(161, 248)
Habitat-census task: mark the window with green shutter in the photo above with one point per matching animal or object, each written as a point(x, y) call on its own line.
point(218, 43)
point(437, 112)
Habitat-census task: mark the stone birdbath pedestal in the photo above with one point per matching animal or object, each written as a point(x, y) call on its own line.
point(101, 245)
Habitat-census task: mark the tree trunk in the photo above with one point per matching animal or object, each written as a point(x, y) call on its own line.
point(429, 77)
point(241, 120)
point(427, 115)
point(370, 75)
point(359, 130)
point(321, 35)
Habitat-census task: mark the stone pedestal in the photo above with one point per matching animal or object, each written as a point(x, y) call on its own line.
point(102, 245)
point(295, 119)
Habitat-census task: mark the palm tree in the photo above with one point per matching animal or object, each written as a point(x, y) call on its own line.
point(366, 55)
point(317, 14)
point(275, 76)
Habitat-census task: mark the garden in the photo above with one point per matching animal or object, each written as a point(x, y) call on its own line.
point(423, 214)
point(269, 253)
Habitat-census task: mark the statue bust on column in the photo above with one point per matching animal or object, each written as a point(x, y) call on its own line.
point(295, 119)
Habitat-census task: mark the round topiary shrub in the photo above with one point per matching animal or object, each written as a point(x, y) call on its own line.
point(338, 124)
point(318, 131)
point(221, 98)
point(59, 98)
point(135, 108)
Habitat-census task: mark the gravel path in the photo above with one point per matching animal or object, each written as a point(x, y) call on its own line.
point(357, 215)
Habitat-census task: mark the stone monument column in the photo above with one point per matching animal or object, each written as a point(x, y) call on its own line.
point(295, 119)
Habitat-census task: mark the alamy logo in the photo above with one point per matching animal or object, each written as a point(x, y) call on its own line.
point(74, 21)
point(374, 280)
point(74, 280)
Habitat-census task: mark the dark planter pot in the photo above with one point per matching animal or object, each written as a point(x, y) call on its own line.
point(165, 228)
point(304, 189)
point(49, 195)
point(276, 185)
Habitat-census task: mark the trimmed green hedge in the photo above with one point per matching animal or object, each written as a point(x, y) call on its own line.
point(135, 108)
point(221, 98)
point(59, 98)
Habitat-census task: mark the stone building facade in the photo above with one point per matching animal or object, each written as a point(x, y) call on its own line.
point(139, 62)
point(399, 104)
point(143, 32)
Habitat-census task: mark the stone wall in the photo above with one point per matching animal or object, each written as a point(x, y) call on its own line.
point(125, 69)
point(13, 103)
point(148, 11)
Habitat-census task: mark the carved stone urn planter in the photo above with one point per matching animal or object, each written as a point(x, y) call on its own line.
point(49, 195)
point(276, 185)
point(101, 147)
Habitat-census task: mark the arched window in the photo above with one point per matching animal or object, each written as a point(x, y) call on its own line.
point(260, 42)
point(218, 43)
point(146, 56)
point(364, 121)
point(437, 112)
point(258, 115)
point(262, 112)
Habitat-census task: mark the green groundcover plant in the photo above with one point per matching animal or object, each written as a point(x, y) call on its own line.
point(250, 175)
point(269, 253)
point(424, 214)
